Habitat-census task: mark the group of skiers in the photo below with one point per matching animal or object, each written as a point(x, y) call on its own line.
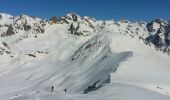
point(90, 88)
point(52, 89)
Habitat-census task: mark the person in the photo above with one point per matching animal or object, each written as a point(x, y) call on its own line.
point(65, 90)
point(52, 89)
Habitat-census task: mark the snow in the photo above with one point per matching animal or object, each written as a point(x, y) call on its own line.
point(111, 56)
point(6, 19)
point(156, 25)
point(152, 72)
point(109, 92)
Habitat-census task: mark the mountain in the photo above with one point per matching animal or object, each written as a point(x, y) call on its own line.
point(89, 59)
point(160, 37)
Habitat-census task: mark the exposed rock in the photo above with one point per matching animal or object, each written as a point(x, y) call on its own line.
point(27, 27)
point(0, 16)
point(74, 16)
point(31, 55)
point(53, 20)
point(9, 32)
point(74, 30)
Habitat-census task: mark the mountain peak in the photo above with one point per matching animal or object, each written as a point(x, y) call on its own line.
point(73, 16)
point(4, 14)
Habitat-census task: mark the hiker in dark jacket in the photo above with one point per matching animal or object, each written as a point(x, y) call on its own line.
point(65, 90)
point(52, 89)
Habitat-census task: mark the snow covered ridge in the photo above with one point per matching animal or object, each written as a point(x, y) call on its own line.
point(88, 59)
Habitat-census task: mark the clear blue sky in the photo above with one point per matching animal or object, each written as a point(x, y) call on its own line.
point(101, 9)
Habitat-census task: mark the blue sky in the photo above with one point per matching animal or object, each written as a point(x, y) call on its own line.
point(101, 9)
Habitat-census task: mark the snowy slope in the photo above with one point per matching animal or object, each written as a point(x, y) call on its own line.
point(103, 59)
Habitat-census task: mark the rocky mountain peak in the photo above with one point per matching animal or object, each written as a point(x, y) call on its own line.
point(73, 16)
point(160, 34)
point(156, 25)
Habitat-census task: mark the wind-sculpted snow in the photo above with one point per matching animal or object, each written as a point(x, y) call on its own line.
point(90, 64)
